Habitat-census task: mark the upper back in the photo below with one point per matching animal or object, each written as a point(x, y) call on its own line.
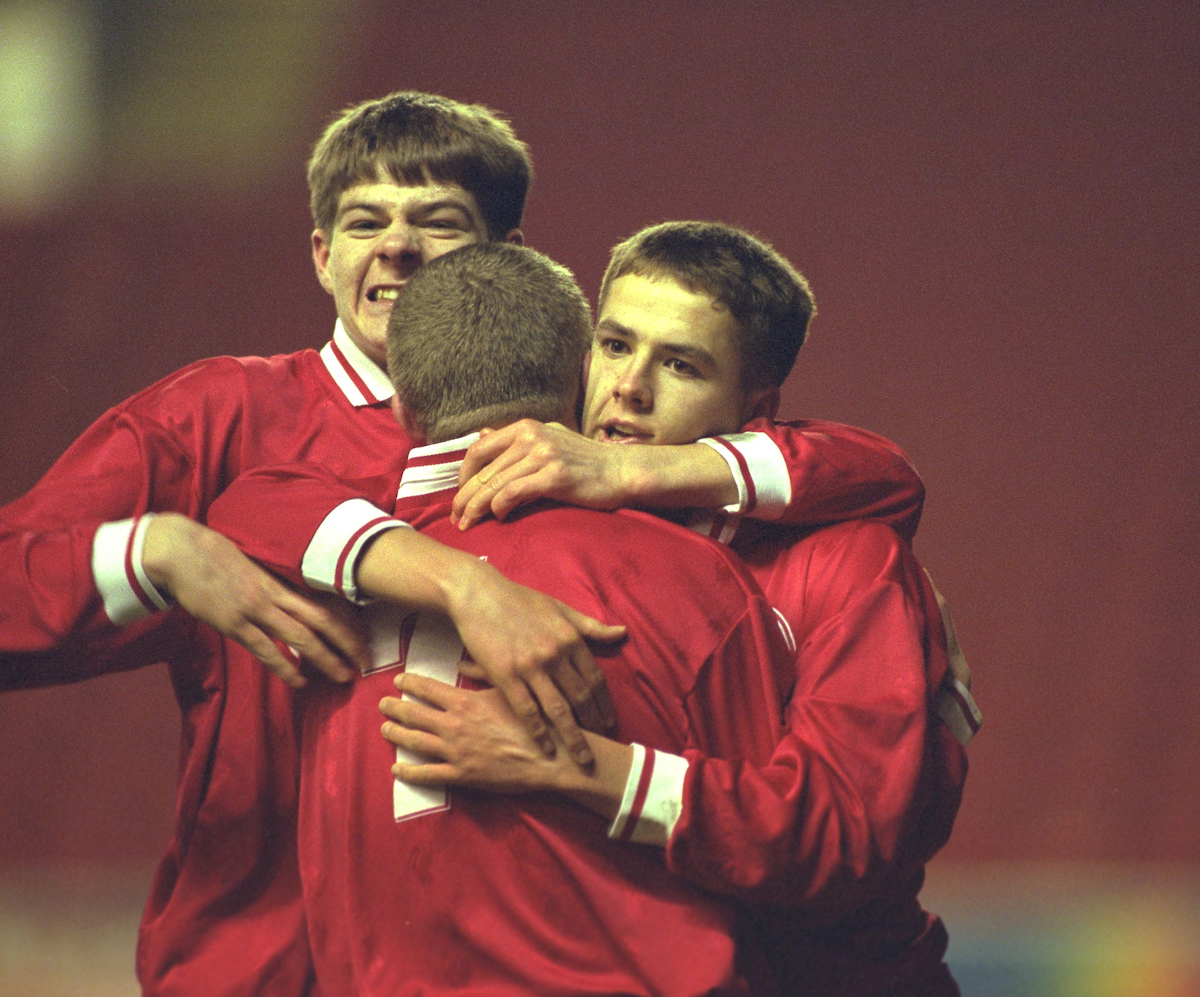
point(695, 618)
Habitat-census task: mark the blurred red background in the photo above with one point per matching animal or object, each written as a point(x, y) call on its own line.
point(998, 210)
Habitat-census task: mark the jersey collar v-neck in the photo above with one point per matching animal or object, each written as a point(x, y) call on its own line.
point(359, 377)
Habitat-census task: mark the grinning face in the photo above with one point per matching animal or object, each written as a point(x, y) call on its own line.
point(665, 367)
point(382, 233)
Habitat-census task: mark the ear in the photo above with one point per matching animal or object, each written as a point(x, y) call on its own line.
point(408, 422)
point(320, 253)
point(515, 236)
point(581, 391)
point(762, 404)
point(584, 374)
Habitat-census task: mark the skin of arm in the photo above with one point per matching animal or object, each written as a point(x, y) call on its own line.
point(494, 617)
point(528, 460)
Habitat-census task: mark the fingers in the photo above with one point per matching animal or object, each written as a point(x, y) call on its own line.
point(523, 704)
point(337, 622)
point(599, 715)
point(425, 774)
point(419, 742)
point(481, 479)
point(282, 625)
point(499, 488)
point(523, 483)
point(424, 688)
point(591, 628)
point(485, 450)
point(561, 717)
point(581, 681)
point(472, 670)
point(278, 662)
point(592, 702)
point(484, 458)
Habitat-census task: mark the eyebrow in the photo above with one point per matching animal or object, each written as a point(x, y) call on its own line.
point(427, 207)
point(681, 349)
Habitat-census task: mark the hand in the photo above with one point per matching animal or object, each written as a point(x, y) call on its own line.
point(470, 738)
point(533, 649)
point(474, 739)
point(208, 576)
point(528, 460)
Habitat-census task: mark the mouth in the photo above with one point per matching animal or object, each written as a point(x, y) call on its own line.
point(614, 433)
point(388, 293)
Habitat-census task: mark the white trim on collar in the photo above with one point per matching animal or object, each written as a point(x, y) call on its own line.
point(425, 474)
point(360, 378)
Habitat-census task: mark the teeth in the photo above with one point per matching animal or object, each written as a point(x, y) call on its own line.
point(619, 434)
point(384, 294)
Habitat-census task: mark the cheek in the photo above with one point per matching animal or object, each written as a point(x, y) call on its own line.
point(597, 390)
point(694, 413)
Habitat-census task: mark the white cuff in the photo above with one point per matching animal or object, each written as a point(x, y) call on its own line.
point(117, 570)
point(653, 798)
point(957, 709)
point(332, 555)
point(763, 483)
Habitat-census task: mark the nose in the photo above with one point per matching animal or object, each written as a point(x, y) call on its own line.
point(401, 246)
point(633, 387)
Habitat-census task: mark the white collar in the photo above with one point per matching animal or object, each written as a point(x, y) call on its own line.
point(360, 378)
point(434, 467)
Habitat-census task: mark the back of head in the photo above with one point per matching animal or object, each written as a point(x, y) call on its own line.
point(486, 335)
point(769, 298)
point(418, 137)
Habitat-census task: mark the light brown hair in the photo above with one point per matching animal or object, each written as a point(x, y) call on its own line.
point(486, 335)
point(769, 298)
point(418, 138)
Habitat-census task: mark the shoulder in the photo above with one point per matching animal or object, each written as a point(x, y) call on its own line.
point(824, 429)
point(848, 559)
point(227, 380)
point(637, 553)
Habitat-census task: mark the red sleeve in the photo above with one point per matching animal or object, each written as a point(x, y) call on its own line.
point(274, 513)
point(842, 808)
point(125, 464)
point(816, 473)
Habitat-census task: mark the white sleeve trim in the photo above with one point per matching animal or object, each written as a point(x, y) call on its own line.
point(332, 555)
point(117, 570)
point(763, 482)
point(653, 798)
point(735, 469)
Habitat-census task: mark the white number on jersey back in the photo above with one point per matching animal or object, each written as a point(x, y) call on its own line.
point(423, 644)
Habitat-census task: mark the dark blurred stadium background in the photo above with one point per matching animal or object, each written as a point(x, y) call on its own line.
point(997, 207)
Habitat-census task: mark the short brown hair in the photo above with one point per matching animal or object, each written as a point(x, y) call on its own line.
point(485, 335)
point(769, 298)
point(417, 138)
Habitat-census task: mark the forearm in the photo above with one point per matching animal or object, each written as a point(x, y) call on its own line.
point(65, 545)
point(687, 476)
point(406, 567)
